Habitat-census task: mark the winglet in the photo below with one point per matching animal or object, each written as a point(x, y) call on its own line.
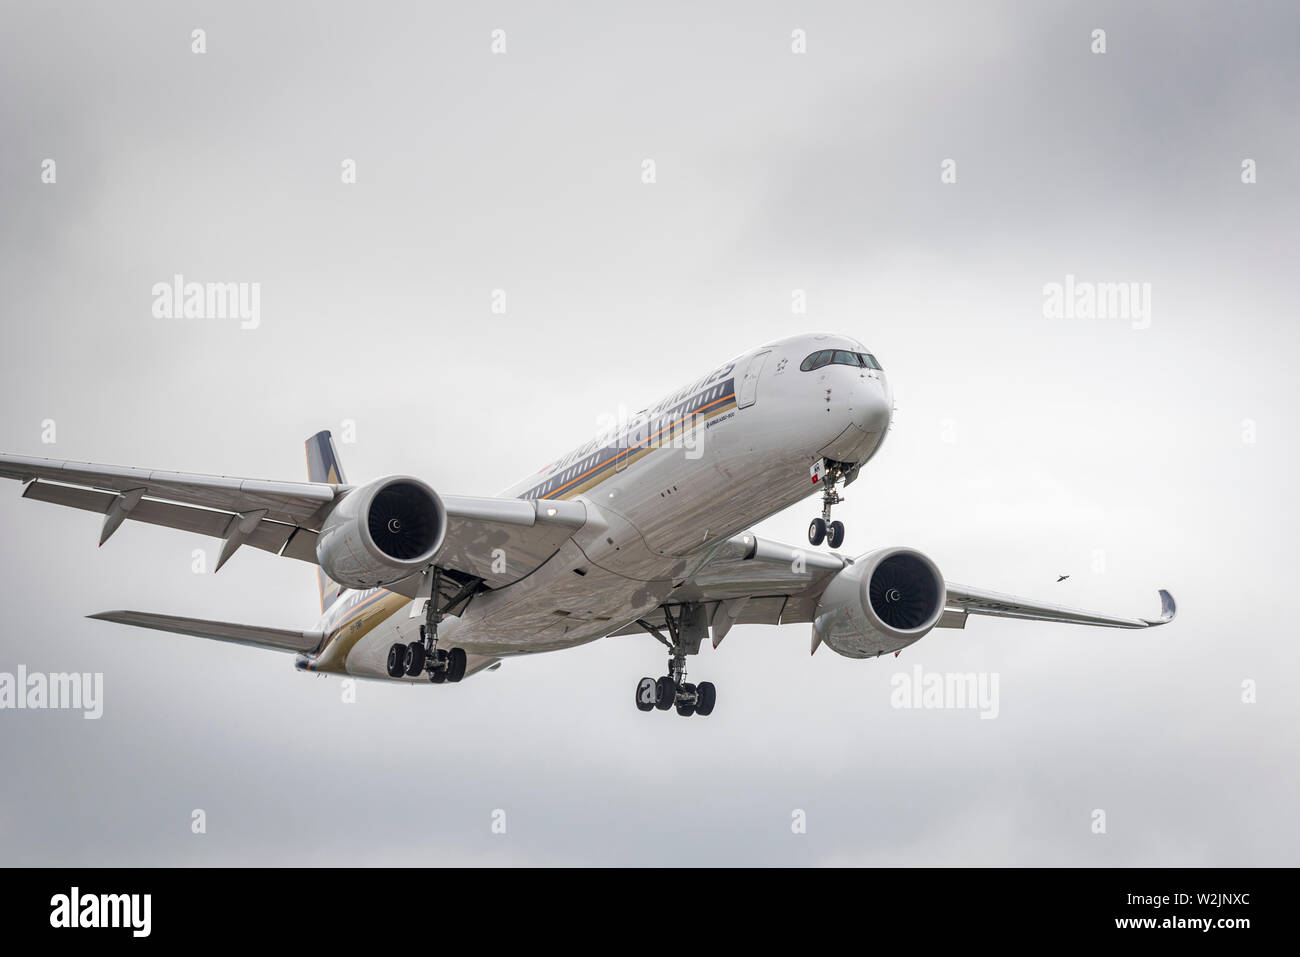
point(1168, 610)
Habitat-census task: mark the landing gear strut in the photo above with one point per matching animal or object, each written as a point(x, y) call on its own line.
point(822, 529)
point(672, 691)
point(442, 665)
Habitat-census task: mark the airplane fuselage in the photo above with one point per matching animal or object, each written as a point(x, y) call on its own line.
point(662, 490)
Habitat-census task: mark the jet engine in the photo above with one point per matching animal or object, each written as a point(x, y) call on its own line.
point(883, 601)
point(383, 532)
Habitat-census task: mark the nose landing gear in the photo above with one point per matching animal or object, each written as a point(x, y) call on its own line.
point(822, 529)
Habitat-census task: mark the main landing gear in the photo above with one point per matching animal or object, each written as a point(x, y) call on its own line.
point(822, 529)
point(672, 691)
point(442, 665)
point(412, 659)
point(663, 693)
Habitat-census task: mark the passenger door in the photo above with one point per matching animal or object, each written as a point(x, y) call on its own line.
point(748, 391)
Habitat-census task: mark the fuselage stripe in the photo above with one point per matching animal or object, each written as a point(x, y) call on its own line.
point(613, 460)
point(350, 617)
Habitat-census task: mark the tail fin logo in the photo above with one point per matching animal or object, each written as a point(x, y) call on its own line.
point(323, 466)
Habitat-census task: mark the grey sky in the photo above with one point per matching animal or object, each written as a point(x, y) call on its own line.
point(775, 172)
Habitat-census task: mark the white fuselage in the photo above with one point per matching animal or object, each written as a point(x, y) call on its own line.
point(661, 493)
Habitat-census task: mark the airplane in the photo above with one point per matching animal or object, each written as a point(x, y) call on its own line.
point(1061, 578)
point(647, 528)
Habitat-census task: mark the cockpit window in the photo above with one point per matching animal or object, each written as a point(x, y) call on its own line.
point(842, 357)
point(817, 360)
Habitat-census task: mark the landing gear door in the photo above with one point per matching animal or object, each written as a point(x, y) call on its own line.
point(748, 391)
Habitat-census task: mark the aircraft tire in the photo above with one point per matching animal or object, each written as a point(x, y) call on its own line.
point(708, 697)
point(817, 531)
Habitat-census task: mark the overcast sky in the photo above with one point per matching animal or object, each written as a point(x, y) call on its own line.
point(1023, 446)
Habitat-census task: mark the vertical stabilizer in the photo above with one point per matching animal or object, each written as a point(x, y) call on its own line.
point(323, 466)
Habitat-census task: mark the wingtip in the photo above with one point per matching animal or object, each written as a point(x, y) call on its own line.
point(117, 616)
point(1168, 610)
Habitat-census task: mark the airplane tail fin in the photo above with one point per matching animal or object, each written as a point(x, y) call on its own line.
point(323, 460)
point(323, 466)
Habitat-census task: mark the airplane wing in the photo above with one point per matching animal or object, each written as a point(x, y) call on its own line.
point(975, 601)
point(751, 580)
point(284, 517)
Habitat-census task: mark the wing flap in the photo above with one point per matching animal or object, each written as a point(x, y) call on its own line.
point(277, 639)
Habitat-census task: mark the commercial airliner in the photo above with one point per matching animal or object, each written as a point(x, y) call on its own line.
point(646, 528)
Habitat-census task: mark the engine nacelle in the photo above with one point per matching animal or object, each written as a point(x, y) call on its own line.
point(383, 532)
point(884, 601)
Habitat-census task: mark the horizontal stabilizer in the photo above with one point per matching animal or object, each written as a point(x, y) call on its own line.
point(276, 638)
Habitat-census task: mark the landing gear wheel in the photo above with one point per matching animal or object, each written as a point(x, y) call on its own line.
point(646, 694)
point(413, 661)
point(817, 531)
point(438, 676)
point(665, 693)
point(456, 662)
point(707, 698)
point(397, 661)
point(835, 534)
point(686, 708)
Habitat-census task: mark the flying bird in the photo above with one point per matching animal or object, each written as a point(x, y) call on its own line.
point(1062, 578)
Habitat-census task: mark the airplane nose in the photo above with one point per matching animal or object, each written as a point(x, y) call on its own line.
point(871, 406)
point(863, 420)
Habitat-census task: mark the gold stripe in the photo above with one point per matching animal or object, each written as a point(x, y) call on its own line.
point(635, 453)
point(383, 604)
